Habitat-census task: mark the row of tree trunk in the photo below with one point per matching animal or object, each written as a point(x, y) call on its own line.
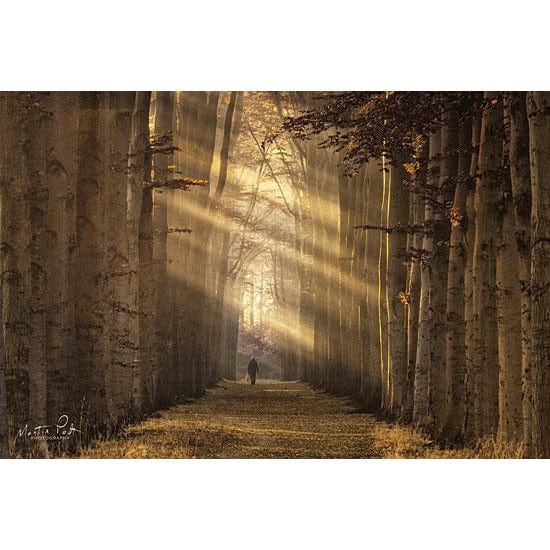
point(430, 280)
point(103, 229)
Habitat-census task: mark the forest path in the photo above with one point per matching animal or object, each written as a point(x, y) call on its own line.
point(269, 420)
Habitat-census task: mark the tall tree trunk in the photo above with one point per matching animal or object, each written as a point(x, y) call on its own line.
point(16, 283)
point(520, 175)
point(422, 381)
point(164, 106)
point(510, 427)
point(372, 386)
point(333, 272)
point(306, 290)
point(356, 252)
point(226, 141)
point(141, 202)
point(218, 308)
point(469, 311)
point(220, 252)
point(414, 246)
point(382, 303)
point(484, 269)
point(455, 360)
point(396, 283)
point(140, 262)
point(35, 162)
point(61, 288)
point(7, 129)
point(4, 432)
point(440, 268)
point(90, 268)
point(198, 153)
point(538, 108)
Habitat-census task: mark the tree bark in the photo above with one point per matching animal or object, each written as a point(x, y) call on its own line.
point(61, 175)
point(396, 283)
point(422, 379)
point(469, 311)
point(119, 122)
point(4, 431)
point(139, 264)
point(538, 108)
point(455, 359)
point(372, 386)
point(164, 106)
point(414, 249)
point(440, 268)
point(484, 269)
point(520, 175)
point(93, 353)
point(510, 427)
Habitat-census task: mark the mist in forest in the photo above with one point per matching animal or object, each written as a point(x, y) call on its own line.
point(382, 255)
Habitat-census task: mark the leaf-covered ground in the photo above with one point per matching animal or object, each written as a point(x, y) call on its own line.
point(269, 420)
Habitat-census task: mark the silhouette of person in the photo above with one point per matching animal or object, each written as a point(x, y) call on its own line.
point(252, 370)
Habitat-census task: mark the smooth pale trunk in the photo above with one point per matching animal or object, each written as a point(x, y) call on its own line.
point(455, 359)
point(510, 426)
point(384, 337)
point(306, 295)
point(486, 366)
point(358, 295)
point(440, 268)
point(372, 387)
point(345, 310)
point(325, 299)
point(509, 332)
point(415, 238)
point(421, 411)
point(312, 176)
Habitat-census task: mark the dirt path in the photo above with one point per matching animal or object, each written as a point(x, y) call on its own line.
point(269, 420)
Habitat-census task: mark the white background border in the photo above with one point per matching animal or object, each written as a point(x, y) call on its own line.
point(116, 45)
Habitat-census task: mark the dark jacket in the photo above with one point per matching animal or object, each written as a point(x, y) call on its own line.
point(252, 366)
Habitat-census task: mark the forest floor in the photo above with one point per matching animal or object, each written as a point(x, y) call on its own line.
point(269, 420)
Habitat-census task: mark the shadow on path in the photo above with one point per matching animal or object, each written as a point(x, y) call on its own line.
point(269, 420)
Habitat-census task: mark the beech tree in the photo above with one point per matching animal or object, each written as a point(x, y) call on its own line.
point(520, 175)
point(539, 144)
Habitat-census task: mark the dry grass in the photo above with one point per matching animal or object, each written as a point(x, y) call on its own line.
point(275, 420)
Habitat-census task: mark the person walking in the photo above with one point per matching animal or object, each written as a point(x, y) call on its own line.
point(252, 370)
